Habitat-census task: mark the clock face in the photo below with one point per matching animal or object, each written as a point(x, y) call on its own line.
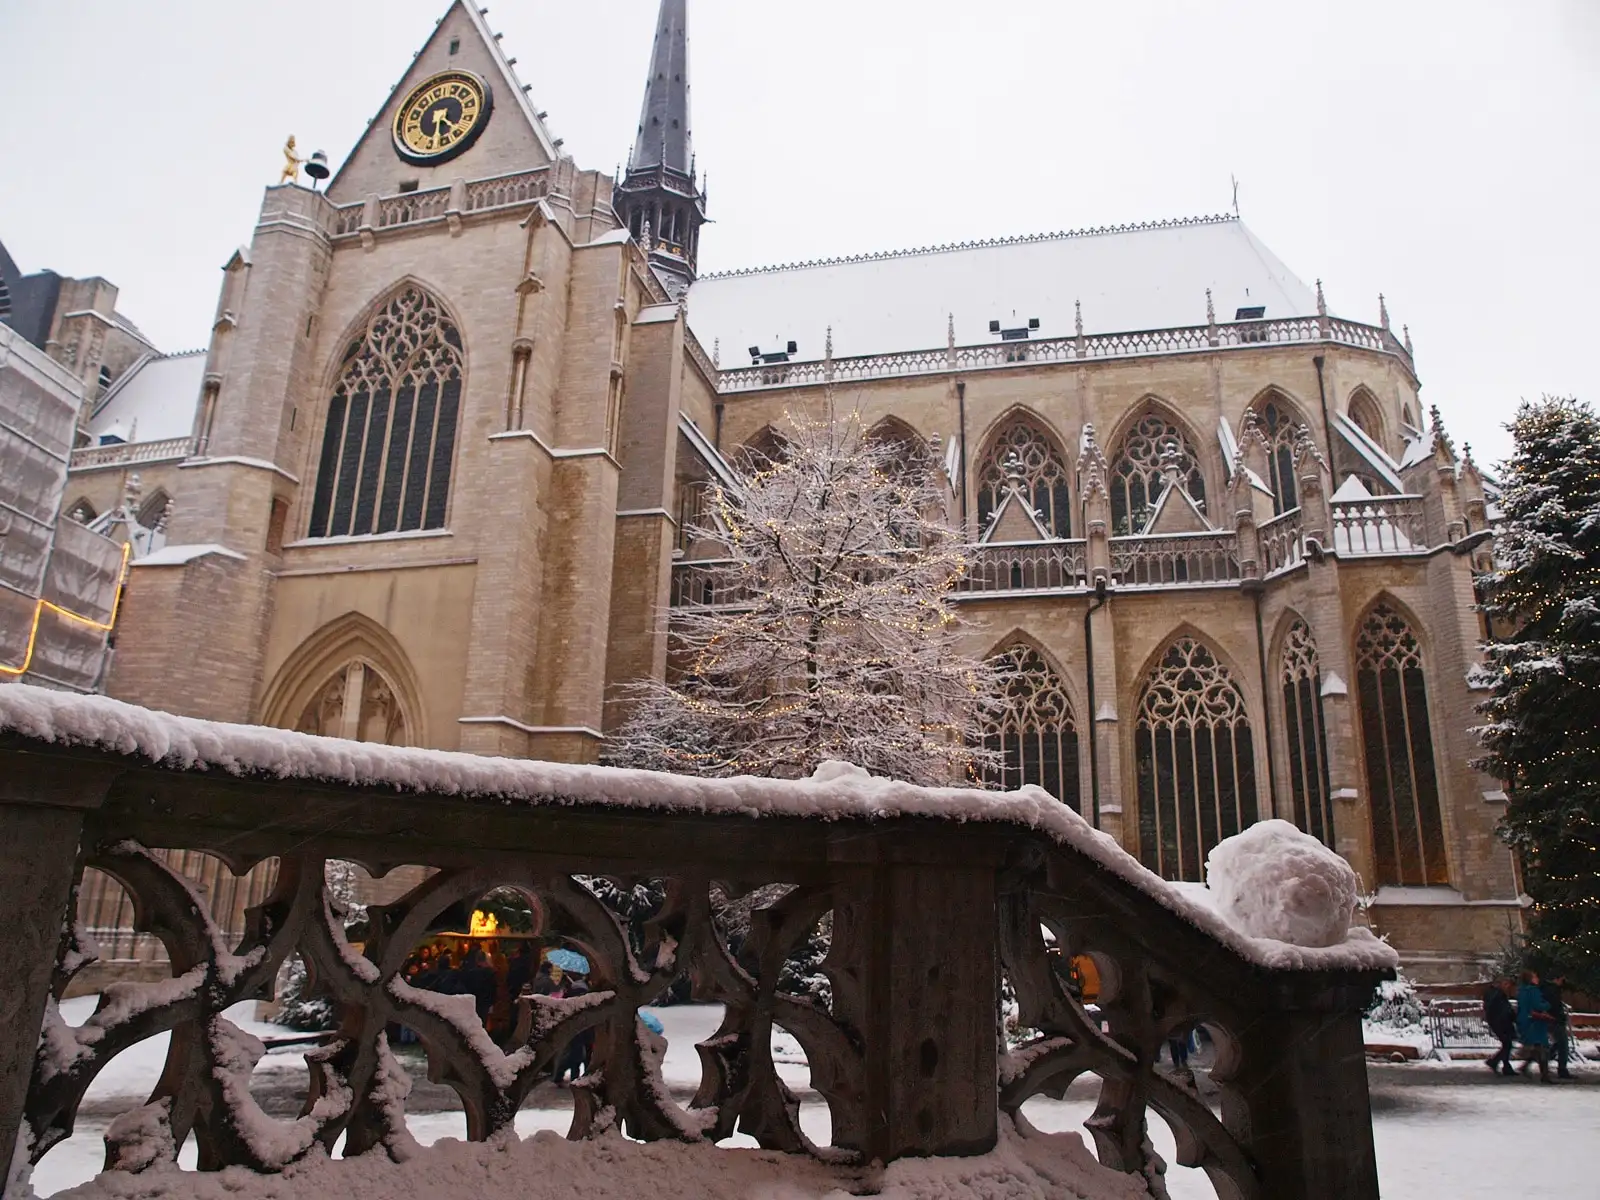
point(441, 117)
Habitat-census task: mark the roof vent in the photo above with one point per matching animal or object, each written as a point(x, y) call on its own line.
point(1018, 333)
point(1253, 313)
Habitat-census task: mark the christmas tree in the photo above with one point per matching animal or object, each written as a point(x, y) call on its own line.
point(832, 635)
point(1543, 738)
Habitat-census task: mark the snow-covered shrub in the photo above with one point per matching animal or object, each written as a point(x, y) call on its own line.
point(1395, 1005)
point(1273, 881)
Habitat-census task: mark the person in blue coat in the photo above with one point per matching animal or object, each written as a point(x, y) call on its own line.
point(1533, 1025)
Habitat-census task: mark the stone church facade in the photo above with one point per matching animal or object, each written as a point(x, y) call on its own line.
point(458, 408)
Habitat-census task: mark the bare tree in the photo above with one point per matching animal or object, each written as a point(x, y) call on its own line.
point(827, 630)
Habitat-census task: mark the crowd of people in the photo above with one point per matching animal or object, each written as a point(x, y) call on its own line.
point(1534, 1013)
point(495, 979)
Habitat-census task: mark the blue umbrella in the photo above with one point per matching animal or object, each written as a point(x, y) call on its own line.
point(651, 1021)
point(570, 961)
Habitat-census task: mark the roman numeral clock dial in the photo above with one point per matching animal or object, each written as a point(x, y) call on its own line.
point(442, 116)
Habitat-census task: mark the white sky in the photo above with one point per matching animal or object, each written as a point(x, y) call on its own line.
point(1446, 153)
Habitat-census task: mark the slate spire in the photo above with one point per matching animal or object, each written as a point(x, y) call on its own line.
point(661, 191)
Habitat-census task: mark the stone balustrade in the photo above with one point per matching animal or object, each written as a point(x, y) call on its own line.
point(1026, 567)
point(124, 454)
point(437, 204)
point(1175, 560)
point(1379, 525)
point(932, 898)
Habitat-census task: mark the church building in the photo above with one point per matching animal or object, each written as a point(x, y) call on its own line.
point(430, 480)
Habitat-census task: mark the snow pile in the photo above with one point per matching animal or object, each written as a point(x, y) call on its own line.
point(186, 743)
point(1273, 881)
point(548, 1167)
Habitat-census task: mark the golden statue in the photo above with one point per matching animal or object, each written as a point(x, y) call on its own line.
point(291, 163)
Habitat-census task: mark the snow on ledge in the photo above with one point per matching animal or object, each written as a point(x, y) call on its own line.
point(838, 791)
point(177, 556)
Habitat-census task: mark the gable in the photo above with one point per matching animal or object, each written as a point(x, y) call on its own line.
point(514, 139)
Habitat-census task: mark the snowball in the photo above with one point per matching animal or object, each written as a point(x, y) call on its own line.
point(831, 770)
point(1272, 881)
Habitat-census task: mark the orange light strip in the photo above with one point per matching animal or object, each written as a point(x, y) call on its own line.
point(41, 605)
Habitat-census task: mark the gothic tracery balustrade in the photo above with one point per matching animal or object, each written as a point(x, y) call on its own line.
point(1136, 472)
point(1397, 738)
point(1195, 761)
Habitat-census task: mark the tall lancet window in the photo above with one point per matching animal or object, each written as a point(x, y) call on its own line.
point(1025, 449)
point(1136, 473)
point(1407, 830)
point(391, 432)
point(1195, 761)
point(1278, 429)
point(1301, 677)
point(1034, 732)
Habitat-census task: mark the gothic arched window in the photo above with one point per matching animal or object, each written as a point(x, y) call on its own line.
point(1034, 731)
point(1301, 677)
point(1136, 480)
point(1407, 830)
point(1366, 415)
point(391, 433)
point(357, 703)
point(1195, 761)
point(1024, 449)
point(1277, 427)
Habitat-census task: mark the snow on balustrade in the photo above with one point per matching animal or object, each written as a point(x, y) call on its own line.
point(1282, 542)
point(927, 894)
point(1175, 560)
point(1379, 525)
point(1025, 567)
point(126, 453)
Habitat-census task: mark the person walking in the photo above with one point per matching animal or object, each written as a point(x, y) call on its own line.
point(1552, 989)
point(1533, 1025)
point(1501, 1018)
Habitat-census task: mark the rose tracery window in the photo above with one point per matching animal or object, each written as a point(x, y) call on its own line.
point(390, 438)
point(1195, 761)
point(1407, 829)
point(1301, 676)
point(1034, 731)
point(1136, 478)
point(1278, 429)
point(1026, 450)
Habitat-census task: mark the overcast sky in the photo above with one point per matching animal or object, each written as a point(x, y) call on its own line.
point(1445, 153)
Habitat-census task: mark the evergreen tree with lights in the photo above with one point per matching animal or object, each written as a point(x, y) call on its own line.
point(832, 634)
point(1543, 738)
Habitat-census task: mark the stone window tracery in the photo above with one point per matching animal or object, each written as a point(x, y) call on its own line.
point(358, 703)
point(390, 438)
point(1366, 416)
point(1407, 827)
point(1136, 480)
point(1301, 677)
point(1194, 759)
point(1025, 449)
point(1277, 427)
point(1034, 732)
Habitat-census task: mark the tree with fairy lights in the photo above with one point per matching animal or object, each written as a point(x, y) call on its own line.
point(827, 630)
point(1543, 738)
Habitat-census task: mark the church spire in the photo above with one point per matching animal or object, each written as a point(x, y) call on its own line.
point(661, 191)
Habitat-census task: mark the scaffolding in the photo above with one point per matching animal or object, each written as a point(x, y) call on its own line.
point(59, 581)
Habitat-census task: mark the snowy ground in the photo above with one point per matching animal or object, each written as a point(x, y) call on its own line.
point(1441, 1130)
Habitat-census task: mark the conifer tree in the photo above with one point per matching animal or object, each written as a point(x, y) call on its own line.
point(1543, 738)
point(832, 634)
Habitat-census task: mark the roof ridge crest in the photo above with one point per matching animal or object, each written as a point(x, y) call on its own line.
point(946, 247)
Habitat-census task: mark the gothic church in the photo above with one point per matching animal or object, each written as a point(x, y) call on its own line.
point(429, 483)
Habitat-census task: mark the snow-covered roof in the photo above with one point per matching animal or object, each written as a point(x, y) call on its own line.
point(837, 791)
point(1127, 278)
point(154, 400)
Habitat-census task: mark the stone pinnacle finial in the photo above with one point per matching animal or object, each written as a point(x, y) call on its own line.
point(1211, 309)
point(1077, 311)
point(1171, 463)
point(716, 353)
point(1441, 439)
point(1013, 469)
point(166, 515)
point(1383, 311)
point(827, 345)
point(950, 330)
point(1406, 332)
point(1305, 446)
point(645, 239)
point(130, 494)
point(1322, 301)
